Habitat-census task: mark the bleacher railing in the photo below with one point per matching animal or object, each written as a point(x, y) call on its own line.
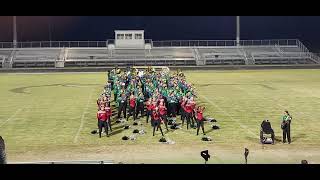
point(54, 44)
point(167, 43)
point(224, 43)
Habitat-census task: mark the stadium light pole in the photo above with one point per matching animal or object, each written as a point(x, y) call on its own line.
point(14, 31)
point(238, 30)
point(50, 36)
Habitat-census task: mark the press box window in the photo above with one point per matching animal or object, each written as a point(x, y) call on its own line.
point(128, 36)
point(120, 36)
point(138, 36)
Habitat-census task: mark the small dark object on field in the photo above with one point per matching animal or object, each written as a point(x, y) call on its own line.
point(125, 138)
point(136, 131)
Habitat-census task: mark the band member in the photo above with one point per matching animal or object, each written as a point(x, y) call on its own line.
point(150, 107)
point(163, 114)
point(156, 120)
point(104, 100)
point(122, 101)
point(140, 105)
point(182, 109)
point(116, 90)
point(199, 117)
point(107, 100)
point(132, 107)
point(188, 109)
point(193, 114)
point(109, 114)
point(102, 121)
point(285, 126)
point(172, 100)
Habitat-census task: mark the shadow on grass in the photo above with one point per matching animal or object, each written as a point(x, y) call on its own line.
point(210, 130)
point(22, 89)
point(117, 132)
point(278, 139)
point(298, 136)
point(118, 127)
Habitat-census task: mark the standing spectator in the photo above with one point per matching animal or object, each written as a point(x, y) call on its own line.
point(285, 126)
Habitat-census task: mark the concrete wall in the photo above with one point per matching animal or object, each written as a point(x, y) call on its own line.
point(104, 69)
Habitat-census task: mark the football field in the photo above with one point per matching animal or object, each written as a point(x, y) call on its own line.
point(49, 117)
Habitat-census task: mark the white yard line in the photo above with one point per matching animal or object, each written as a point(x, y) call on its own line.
point(236, 120)
point(75, 140)
point(10, 118)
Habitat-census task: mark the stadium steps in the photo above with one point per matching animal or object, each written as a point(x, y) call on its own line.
point(200, 61)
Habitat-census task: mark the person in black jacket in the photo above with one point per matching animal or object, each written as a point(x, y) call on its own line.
point(285, 126)
point(122, 105)
point(266, 128)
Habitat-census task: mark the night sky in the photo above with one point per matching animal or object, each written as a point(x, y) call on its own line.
point(37, 28)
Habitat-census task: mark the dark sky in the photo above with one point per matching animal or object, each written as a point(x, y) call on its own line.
point(36, 28)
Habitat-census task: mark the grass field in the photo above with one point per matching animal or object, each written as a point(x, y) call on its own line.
point(49, 117)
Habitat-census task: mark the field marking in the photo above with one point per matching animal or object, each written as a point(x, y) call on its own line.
point(45, 73)
point(75, 140)
point(262, 97)
point(11, 117)
point(308, 93)
point(236, 120)
point(250, 77)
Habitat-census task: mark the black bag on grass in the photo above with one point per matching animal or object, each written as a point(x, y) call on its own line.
point(215, 127)
point(125, 138)
point(136, 131)
point(163, 140)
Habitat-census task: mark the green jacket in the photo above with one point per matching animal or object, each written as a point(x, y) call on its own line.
point(286, 118)
point(140, 99)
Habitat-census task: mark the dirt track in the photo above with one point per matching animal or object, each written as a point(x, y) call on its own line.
point(165, 153)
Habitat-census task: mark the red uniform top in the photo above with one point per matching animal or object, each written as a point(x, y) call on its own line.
point(133, 102)
point(162, 110)
point(200, 115)
point(148, 105)
point(108, 111)
point(155, 116)
point(193, 104)
point(183, 105)
point(188, 108)
point(102, 115)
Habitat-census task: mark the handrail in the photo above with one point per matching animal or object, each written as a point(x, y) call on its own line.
point(52, 44)
point(164, 43)
point(307, 52)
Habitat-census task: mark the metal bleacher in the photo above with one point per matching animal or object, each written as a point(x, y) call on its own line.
point(35, 57)
point(161, 53)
